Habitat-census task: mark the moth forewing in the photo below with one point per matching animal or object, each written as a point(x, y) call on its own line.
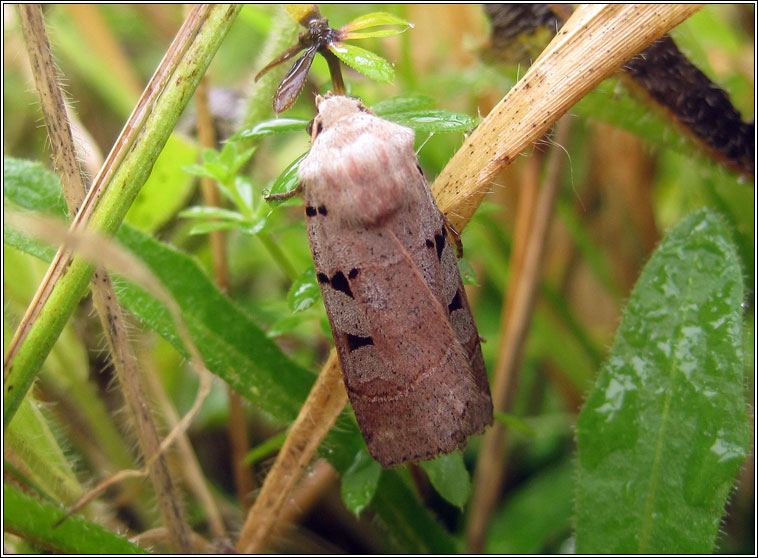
point(404, 332)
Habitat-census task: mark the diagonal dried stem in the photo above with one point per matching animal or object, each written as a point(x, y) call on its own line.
point(324, 404)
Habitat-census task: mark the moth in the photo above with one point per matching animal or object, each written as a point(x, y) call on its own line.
point(403, 328)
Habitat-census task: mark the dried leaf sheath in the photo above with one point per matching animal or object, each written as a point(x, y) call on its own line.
point(407, 342)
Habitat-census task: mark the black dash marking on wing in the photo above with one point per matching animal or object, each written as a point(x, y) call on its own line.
point(339, 283)
point(322, 278)
point(419, 169)
point(353, 273)
point(455, 304)
point(439, 241)
point(429, 244)
point(310, 211)
point(356, 341)
point(322, 209)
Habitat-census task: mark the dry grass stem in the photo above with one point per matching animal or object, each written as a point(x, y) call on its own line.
point(491, 462)
point(597, 40)
point(324, 404)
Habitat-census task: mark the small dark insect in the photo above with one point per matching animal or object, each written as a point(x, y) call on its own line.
point(318, 37)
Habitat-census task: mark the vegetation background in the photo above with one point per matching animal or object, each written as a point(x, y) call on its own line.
point(627, 178)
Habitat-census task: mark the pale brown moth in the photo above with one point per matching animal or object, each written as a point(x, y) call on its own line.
point(402, 325)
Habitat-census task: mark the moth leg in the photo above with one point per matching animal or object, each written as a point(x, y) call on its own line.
point(456, 236)
point(285, 195)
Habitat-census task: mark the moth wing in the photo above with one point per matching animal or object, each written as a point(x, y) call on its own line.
point(440, 267)
point(410, 381)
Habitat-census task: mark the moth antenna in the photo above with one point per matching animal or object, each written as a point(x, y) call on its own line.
point(285, 195)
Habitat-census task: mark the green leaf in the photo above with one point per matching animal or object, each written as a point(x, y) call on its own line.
point(449, 477)
point(287, 181)
point(166, 190)
point(265, 449)
point(206, 227)
point(406, 524)
point(374, 19)
point(276, 126)
point(33, 520)
point(468, 275)
point(232, 158)
point(233, 346)
point(366, 62)
point(33, 186)
point(208, 212)
point(401, 104)
point(359, 482)
point(537, 514)
point(433, 120)
point(664, 431)
point(379, 33)
point(304, 292)
point(44, 462)
point(515, 423)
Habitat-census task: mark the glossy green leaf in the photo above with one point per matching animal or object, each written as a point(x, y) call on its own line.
point(664, 431)
point(378, 34)
point(359, 482)
point(33, 520)
point(374, 19)
point(287, 181)
point(537, 516)
point(449, 477)
point(304, 292)
point(276, 126)
point(364, 61)
point(401, 104)
point(433, 120)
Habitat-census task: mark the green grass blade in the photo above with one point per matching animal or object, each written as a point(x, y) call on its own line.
point(33, 520)
point(664, 431)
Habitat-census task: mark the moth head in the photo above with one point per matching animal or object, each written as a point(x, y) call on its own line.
point(332, 108)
